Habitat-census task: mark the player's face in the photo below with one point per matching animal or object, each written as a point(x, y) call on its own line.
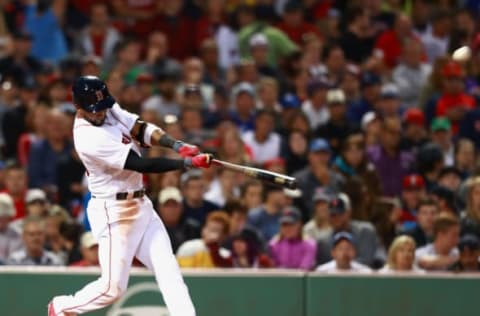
point(96, 118)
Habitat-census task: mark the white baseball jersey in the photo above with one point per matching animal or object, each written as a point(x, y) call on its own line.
point(104, 150)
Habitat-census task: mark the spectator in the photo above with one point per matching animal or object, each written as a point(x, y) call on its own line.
point(443, 251)
point(206, 252)
point(259, 51)
point(99, 37)
point(436, 41)
point(318, 172)
point(445, 199)
point(315, 107)
point(246, 253)
point(465, 157)
point(16, 187)
point(289, 249)
point(89, 249)
point(293, 23)
point(268, 91)
point(34, 252)
point(370, 85)
point(195, 207)
point(369, 251)
point(335, 62)
point(358, 39)
point(36, 205)
point(251, 194)
point(450, 178)
point(389, 160)
point(430, 162)
point(401, 256)
point(225, 190)
point(10, 240)
point(295, 149)
point(44, 21)
point(319, 225)
point(470, 220)
point(414, 132)
point(385, 217)
point(371, 126)
point(469, 248)
point(389, 105)
point(263, 141)
point(413, 191)
point(213, 73)
point(343, 254)
point(411, 74)
point(265, 218)
point(170, 210)
point(422, 232)
point(232, 148)
point(244, 104)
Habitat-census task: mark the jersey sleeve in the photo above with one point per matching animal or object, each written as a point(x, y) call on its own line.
point(126, 118)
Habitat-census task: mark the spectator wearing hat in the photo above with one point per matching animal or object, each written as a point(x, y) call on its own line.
point(10, 240)
point(319, 224)
point(99, 37)
point(389, 104)
point(469, 126)
point(370, 85)
point(33, 252)
point(294, 25)
point(350, 83)
point(454, 102)
point(289, 249)
point(259, 51)
point(465, 157)
point(315, 107)
point(89, 250)
point(414, 132)
point(430, 161)
point(195, 207)
point(289, 103)
point(443, 251)
point(244, 100)
point(401, 256)
point(468, 260)
point(362, 183)
point(36, 204)
point(442, 136)
point(16, 186)
point(265, 218)
point(369, 250)
point(358, 39)
point(470, 219)
point(338, 127)
point(450, 178)
point(343, 253)
point(170, 210)
point(422, 232)
point(318, 172)
point(391, 163)
point(411, 73)
point(413, 191)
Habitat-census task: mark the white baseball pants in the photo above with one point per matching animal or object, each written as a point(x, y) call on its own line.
point(124, 230)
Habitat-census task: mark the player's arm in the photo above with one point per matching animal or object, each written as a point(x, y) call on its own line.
point(160, 164)
point(149, 134)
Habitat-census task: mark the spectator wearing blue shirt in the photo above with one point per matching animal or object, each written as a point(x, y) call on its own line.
point(244, 99)
point(370, 85)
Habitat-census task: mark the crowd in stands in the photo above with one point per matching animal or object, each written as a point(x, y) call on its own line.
point(371, 105)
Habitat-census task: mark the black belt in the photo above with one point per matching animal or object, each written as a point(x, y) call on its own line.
point(131, 195)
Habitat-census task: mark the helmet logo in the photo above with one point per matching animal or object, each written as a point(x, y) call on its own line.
point(99, 95)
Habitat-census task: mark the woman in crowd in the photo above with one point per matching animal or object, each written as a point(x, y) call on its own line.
point(401, 256)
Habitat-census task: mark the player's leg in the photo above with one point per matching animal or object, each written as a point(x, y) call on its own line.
point(118, 240)
point(156, 253)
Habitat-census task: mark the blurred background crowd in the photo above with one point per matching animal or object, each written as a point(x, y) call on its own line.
point(370, 104)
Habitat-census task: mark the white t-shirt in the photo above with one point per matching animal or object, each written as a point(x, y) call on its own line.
point(429, 250)
point(387, 270)
point(104, 150)
point(267, 150)
point(331, 267)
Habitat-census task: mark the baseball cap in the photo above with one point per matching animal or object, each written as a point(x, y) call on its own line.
point(6, 205)
point(290, 215)
point(368, 79)
point(317, 84)
point(35, 195)
point(389, 91)
point(440, 124)
point(190, 175)
point(336, 96)
point(367, 118)
point(413, 182)
point(319, 144)
point(452, 69)
point(449, 170)
point(290, 101)
point(169, 193)
point(88, 240)
point(258, 39)
point(244, 87)
point(414, 116)
point(337, 206)
point(343, 235)
point(321, 195)
point(469, 241)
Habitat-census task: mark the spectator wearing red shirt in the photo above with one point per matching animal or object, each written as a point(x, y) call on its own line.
point(139, 15)
point(16, 186)
point(413, 191)
point(390, 41)
point(293, 23)
point(454, 102)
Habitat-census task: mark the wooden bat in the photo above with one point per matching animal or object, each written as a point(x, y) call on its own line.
point(264, 175)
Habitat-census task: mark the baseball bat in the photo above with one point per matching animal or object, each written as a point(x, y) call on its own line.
point(264, 175)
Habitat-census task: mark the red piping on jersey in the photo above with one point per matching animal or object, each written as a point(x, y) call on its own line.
point(109, 266)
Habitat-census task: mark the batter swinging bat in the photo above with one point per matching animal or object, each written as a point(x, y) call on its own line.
point(267, 176)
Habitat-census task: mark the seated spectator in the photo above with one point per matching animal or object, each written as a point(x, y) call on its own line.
point(413, 190)
point(445, 198)
point(16, 186)
point(179, 227)
point(89, 249)
point(205, 252)
point(422, 232)
point(244, 100)
point(385, 217)
point(294, 25)
point(36, 204)
point(10, 240)
point(343, 254)
point(246, 252)
point(401, 256)
point(34, 252)
point(315, 107)
point(319, 225)
point(370, 85)
point(289, 249)
point(468, 261)
point(465, 157)
point(441, 134)
point(470, 220)
point(225, 190)
point(429, 163)
point(414, 132)
point(251, 194)
point(389, 104)
point(450, 178)
point(443, 251)
point(195, 207)
point(265, 218)
point(369, 250)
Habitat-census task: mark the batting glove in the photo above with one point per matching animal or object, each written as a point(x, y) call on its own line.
point(199, 161)
point(185, 150)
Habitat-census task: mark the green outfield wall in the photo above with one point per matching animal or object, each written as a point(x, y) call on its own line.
point(26, 292)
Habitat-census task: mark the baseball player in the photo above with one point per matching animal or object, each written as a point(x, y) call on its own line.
point(108, 139)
